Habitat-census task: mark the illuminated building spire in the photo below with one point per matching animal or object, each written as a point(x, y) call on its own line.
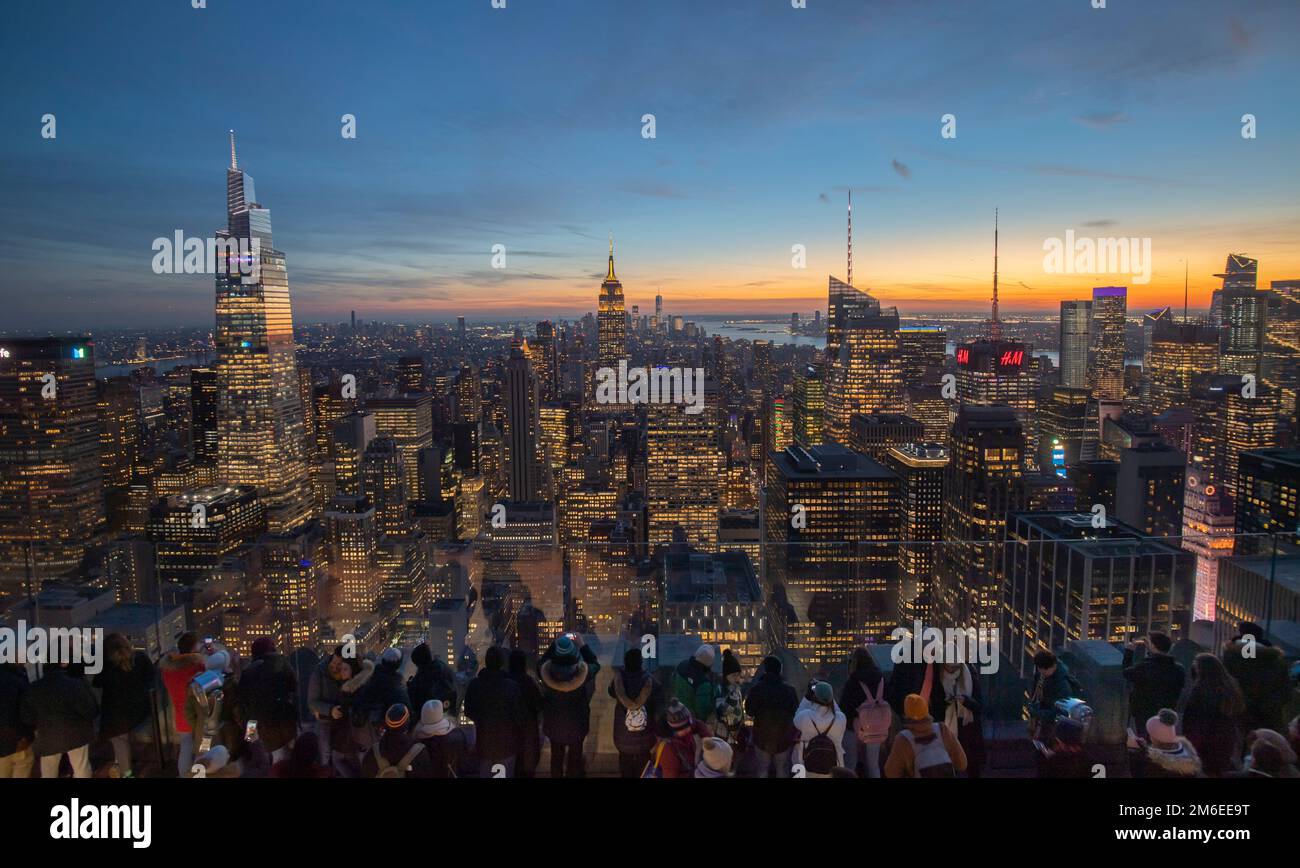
point(610, 275)
point(995, 324)
point(234, 163)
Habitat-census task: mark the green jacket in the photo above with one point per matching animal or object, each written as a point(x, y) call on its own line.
point(694, 687)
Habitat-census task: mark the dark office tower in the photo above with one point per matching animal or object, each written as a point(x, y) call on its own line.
point(1067, 429)
point(354, 320)
point(460, 327)
point(924, 349)
point(1282, 347)
point(920, 469)
point(119, 437)
point(196, 530)
point(762, 373)
point(51, 500)
point(465, 443)
point(1076, 326)
point(867, 376)
point(998, 372)
point(1149, 491)
point(352, 540)
point(1241, 273)
point(383, 479)
point(523, 429)
point(1094, 483)
point(1106, 342)
point(546, 361)
point(927, 405)
point(410, 375)
point(809, 405)
point(659, 313)
point(1177, 354)
point(831, 531)
point(351, 437)
point(260, 431)
point(1268, 501)
point(1066, 580)
point(292, 569)
point(874, 434)
point(611, 318)
point(469, 395)
point(1241, 338)
point(986, 457)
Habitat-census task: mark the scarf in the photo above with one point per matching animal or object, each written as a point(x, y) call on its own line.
point(955, 684)
point(702, 770)
point(426, 730)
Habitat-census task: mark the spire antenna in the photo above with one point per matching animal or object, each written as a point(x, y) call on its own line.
point(849, 276)
point(995, 325)
point(234, 163)
point(1184, 291)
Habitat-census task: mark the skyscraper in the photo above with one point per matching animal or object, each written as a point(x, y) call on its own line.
point(809, 405)
point(546, 362)
point(1176, 355)
point(524, 428)
point(1076, 322)
point(1241, 272)
point(1106, 342)
point(920, 469)
point(1268, 501)
point(611, 319)
point(1149, 491)
point(683, 467)
point(1241, 339)
point(260, 432)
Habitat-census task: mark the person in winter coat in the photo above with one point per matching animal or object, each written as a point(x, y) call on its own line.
point(1065, 755)
point(817, 720)
point(1269, 755)
point(1164, 753)
point(730, 705)
point(637, 701)
point(125, 682)
point(530, 748)
point(772, 704)
point(386, 687)
point(715, 759)
point(15, 736)
point(303, 761)
point(397, 748)
point(1052, 683)
point(681, 745)
point(267, 693)
point(1213, 714)
point(958, 688)
point(496, 705)
point(444, 741)
point(327, 701)
point(693, 683)
point(61, 709)
point(1155, 679)
point(179, 668)
point(1261, 672)
point(568, 675)
point(433, 679)
point(865, 679)
point(923, 748)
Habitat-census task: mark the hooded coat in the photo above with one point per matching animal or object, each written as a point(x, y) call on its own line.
point(567, 688)
point(1264, 682)
point(630, 689)
point(61, 708)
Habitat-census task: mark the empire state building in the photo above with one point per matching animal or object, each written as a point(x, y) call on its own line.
point(260, 426)
point(611, 319)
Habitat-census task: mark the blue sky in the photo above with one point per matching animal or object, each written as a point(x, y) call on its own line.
point(522, 126)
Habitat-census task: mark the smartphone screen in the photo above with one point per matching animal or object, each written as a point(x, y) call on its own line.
point(250, 731)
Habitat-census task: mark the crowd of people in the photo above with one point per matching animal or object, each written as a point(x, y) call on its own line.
point(399, 714)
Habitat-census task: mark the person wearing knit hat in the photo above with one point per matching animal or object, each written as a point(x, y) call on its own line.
point(923, 748)
point(1269, 755)
point(263, 645)
point(772, 704)
point(568, 675)
point(445, 742)
point(1166, 754)
point(637, 701)
point(715, 759)
point(693, 683)
point(678, 752)
point(730, 705)
point(397, 747)
point(821, 727)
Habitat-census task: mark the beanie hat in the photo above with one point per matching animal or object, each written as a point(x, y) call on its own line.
point(823, 694)
point(730, 664)
point(705, 655)
point(566, 647)
point(772, 665)
point(421, 655)
point(1162, 727)
point(432, 712)
point(397, 716)
point(391, 657)
point(263, 645)
point(716, 754)
point(679, 716)
point(915, 707)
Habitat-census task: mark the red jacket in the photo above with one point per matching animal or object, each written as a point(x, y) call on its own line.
point(177, 672)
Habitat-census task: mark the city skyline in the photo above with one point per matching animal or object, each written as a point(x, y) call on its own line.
point(400, 222)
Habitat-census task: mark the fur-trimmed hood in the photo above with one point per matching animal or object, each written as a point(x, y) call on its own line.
point(358, 681)
point(1180, 760)
point(563, 678)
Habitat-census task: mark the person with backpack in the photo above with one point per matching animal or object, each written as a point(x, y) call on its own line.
point(730, 704)
point(496, 706)
point(693, 683)
point(442, 738)
point(637, 700)
point(959, 688)
point(679, 749)
point(1052, 683)
point(865, 701)
point(397, 754)
point(568, 682)
point(821, 732)
point(772, 704)
point(923, 749)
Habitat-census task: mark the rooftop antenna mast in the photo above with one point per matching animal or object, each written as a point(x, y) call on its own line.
point(995, 325)
point(1184, 291)
point(234, 163)
point(849, 278)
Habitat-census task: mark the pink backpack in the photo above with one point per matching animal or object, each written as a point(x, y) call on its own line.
point(874, 717)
